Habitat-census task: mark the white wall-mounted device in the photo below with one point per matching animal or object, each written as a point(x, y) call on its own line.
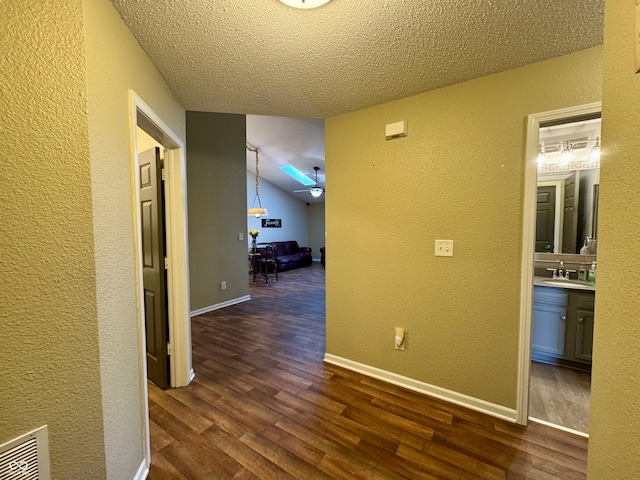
point(396, 130)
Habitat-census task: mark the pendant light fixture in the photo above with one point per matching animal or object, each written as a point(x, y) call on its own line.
point(304, 3)
point(256, 211)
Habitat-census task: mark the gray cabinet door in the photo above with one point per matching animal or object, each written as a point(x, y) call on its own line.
point(584, 335)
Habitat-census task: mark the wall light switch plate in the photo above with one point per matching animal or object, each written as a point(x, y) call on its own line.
point(444, 248)
point(241, 236)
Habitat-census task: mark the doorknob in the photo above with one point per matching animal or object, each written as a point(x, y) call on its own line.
point(580, 320)
point(563, 317)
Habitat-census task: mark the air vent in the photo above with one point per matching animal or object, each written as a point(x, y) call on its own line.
point(26, 457)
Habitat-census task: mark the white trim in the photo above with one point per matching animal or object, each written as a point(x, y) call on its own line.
point(528, 245)
point(450, 396)
point(559, 427)
point(218, 306)
point(178, 274)
point(142, 472)
point(178, 284)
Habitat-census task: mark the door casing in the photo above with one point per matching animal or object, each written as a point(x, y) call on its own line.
point(528, 245)
point(182, 373)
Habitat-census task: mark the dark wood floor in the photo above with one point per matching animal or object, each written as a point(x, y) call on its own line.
point(263, 405)
point(560, 395)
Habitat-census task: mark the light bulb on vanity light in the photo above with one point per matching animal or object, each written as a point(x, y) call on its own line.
point(594, 156)
point(566, 154)
point(542, 158)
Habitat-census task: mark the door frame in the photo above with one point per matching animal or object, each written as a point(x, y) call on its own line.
point(528, 245)
point(180, 363)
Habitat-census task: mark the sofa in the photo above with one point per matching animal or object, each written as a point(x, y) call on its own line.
point(289, 255)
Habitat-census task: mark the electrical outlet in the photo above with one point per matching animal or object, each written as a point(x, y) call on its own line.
point(399, 338)
point(223, 285)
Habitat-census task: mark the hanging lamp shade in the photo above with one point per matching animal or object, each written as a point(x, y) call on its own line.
point(257, 211)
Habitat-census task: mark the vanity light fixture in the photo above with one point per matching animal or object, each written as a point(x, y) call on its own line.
point(566, 153)
point(256, 211)
point(304, 3)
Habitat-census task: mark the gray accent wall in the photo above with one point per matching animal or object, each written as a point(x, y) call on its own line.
point(316, 229)
point(217, 202)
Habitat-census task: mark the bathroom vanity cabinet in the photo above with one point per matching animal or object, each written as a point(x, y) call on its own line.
point(562, 326)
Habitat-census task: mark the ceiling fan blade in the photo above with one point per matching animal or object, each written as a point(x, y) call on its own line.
point(300, 191)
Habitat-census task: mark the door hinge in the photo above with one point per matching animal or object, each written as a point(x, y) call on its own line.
point(164, 174)
point(166, 263)
point(169, 349)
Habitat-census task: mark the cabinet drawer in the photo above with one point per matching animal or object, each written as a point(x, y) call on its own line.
point(551, 296)
point(585, 300)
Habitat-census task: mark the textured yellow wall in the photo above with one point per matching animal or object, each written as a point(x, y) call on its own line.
point(115, 64)
point(615, 394)
point(457, 175)
point(49, 333)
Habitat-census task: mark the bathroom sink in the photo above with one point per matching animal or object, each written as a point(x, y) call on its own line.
point(564, 283)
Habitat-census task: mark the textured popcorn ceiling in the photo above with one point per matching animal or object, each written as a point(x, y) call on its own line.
point(262, 57)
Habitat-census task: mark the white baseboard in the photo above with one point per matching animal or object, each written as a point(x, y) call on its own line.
point(142, 472)
point(450, 396)
point(217, 306)
point(559, 427)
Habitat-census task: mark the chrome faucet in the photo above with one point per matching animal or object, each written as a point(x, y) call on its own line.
point(561, 272)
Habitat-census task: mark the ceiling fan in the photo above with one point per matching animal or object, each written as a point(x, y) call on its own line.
point(316, 190)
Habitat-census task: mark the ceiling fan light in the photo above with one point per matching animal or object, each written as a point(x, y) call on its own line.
point(315, 191)
point(304, 3)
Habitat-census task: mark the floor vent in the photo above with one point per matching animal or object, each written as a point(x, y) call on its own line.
point(26, 457)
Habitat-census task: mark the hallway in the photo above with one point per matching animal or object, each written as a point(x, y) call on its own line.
point(264, 405)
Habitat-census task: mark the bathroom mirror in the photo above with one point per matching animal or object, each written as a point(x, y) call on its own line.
point(568, 186)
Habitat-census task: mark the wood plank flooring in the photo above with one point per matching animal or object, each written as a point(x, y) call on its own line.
point(560, 395)
point(263, 405)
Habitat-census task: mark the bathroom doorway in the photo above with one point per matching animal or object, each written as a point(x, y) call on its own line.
point(561, 182)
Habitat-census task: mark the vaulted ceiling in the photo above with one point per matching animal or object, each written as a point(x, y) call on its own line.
point(262, 57)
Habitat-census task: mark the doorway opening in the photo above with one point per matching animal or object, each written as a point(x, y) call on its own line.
point(559, 232)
